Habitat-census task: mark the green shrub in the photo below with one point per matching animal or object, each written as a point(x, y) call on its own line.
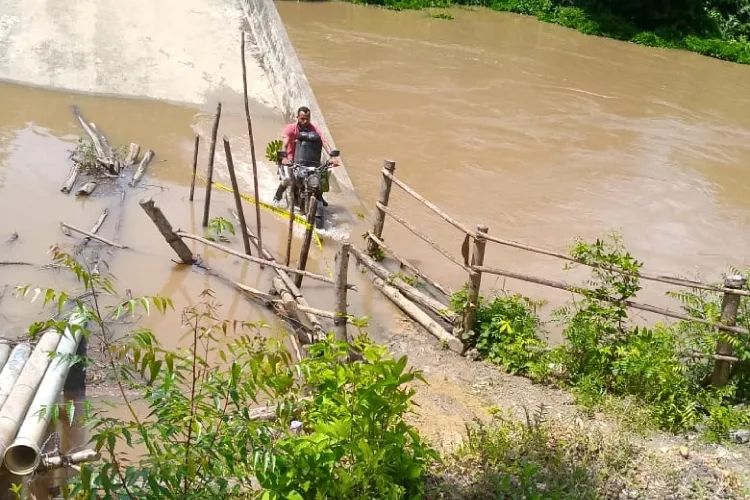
point(336, 429)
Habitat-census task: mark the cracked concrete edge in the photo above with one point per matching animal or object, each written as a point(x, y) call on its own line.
point(286, 75)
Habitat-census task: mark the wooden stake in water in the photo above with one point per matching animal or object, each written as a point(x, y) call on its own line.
point(308, 239)
point(210, 173)
point(252, 147)
point(290, 234)
point(341, 318)
point(237, 198)
point(195, 166)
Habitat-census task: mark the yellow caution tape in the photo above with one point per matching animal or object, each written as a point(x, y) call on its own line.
point(276, 210)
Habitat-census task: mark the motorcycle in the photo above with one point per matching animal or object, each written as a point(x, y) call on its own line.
point(305, 182)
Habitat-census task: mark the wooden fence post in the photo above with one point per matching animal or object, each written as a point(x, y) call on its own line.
point(385, 193)
point(342, 269)
point(237, 197)
point(195, 166)
point(210, 171)
point(305, 250)
point(729, 306)
point(475, 278)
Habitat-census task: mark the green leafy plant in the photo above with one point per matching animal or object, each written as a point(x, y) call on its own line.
point(233, 416)
point(217, 226)
point(506, 332)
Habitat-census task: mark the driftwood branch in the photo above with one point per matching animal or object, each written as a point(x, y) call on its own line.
point(409, 291)
point(92, 236)
point(409, 265)
point(71, 180)
point(450, 220)
point(147, 157)
point(86, 189)
point(133, 151)
point(422, 236)
point(635, 305)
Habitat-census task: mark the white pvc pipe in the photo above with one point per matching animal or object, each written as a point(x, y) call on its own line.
point(12, 370)
point(19, 399)
point(24, 454)
point(4, 354)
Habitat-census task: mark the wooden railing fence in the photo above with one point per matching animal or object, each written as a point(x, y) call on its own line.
point(473, 252)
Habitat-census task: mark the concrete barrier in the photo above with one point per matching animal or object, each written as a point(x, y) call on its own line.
point(287, 78)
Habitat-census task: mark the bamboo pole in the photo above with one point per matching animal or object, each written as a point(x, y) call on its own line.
point(252, 147)
point(418, 315)
point(385, 194)
point(195, 166)
point(670, 280)
point(290, 231)
point(409, 265)
point(450, 220)
point(475, 279)
point(729, 306)
point(165, 228)
point(409, 291)
point(237, 198)
point(635, 305)
point(291, 270)
point(59, 461)
point(210, 173)
point(92, 236)
point(305, 250)
point(342, 269)
point(422, 236)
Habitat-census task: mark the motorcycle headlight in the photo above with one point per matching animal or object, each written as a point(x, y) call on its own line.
point(313, 182)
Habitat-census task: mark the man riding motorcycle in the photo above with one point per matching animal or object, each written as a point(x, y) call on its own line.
point(302, 142)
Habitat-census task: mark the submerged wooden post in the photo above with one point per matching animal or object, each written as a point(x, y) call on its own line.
point(385, 193)
point(165, 228)
point(308, 239)
point(342, 269)
point(237, 198)
point(290, 233)
point(729, 306)
point(252, 147)
point(475, 278)
point(195, 165)
point(210, 173)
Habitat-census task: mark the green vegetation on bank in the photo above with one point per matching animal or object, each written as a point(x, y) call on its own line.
point(336, 429)
point(715, 28)
point(666, 369)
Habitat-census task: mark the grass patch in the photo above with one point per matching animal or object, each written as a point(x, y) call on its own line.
point(544, 459)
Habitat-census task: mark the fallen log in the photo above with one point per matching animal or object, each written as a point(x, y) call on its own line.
point(132, 155)
point(419, 315)
point(71, 180)
point(101, 148)
point(412, 293)
point(92, 236)
point(142, 168)
point(86, 189)
point(98, 223)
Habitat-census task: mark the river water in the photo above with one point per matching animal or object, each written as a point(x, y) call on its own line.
point(539, 132)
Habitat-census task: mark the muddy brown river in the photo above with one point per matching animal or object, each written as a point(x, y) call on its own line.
point(537, 131)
